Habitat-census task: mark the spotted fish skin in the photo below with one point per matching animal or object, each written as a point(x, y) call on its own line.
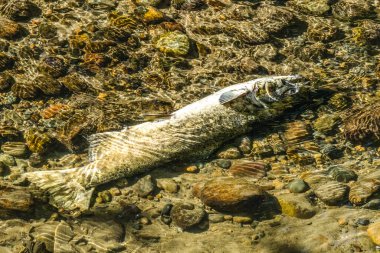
point(191, 132)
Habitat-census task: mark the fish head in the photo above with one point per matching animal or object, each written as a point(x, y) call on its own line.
point(277, 88)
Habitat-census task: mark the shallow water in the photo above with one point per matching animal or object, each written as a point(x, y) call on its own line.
point(69, 69)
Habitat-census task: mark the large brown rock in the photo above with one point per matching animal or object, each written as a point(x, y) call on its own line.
point(15, 199)
point(229, 194)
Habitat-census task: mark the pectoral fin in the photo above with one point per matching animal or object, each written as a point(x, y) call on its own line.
point(228, 96)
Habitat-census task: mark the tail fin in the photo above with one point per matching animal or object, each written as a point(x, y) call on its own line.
point(63, 188)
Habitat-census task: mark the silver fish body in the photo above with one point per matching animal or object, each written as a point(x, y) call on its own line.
point(191, 132)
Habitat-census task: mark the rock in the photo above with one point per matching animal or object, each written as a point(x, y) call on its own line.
point(17, 149)
point(15, 199)
point(10, 30)
point(215, 217)
point(242, 219)
point(186, 215)
point(167, 184)
point(154, 3)
point(373, 204)
point(332, 193)
point(362, 221)
point(174, 43)
point(332, 151)
point(326, 123)
point(341, 174)
point(229, 153)
point(223, 163)
point(245, 145)
point(188, 4)
point(297, 186)
point(368, 32)
point(7, 159)
point(349, 10)
point(364, 188)
point(374, 232)
point(144, 186)
point(192, 169)
point(150, 15)
point(248, 168)
point(230, 194)
point(6, 81)
point(315, 7)
point(296, 206)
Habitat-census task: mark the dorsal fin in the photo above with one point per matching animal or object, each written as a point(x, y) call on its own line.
point(102, 143)
point(230, 95)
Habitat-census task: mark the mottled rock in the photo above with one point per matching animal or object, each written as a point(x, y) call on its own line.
point(296, 206)
point(10, 29)
point(245, 145)
point(215, 217)
point(174, 43)
point(373, 204)
point(229, 153)
point(6, 81)
point(342, 174)
point(297, 186)
point(144, 186)
point(332, 193)
point(374, 232)
point(186, 215)
point(315, 7)
point(167, 184)
point(15, 199)
point(223, 163)
point(150, 15)
point(349, 10)
point(327, 123)
point(230, 194)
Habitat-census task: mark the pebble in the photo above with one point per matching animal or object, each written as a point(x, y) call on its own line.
point(192, 169)
point(341, 174)
point(248, 168)
point(230, 194)
point(315, 7)
point(297, 186)
point(144, 186)
point(362, 221)
point(296, 206)
point(168, 185)
point(326, 123)
point(223, 163)
point(17, 149)
point(373, 204)
point(174, 43)
point(242, 219)
point(7, 159)
point(374, 232)
point(332, 193)
point(215, 217)
point(186, 215)
point(342, 221)
point(245, 145)
point(229, 153)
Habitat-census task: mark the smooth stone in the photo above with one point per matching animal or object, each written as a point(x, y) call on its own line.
point(7, 160)
point(223, 163)
point(230, 194)
point(373, 204)
point(374, 232)
point(167, 184)
point(215, 217)
point(362, 221)
point(144, 186)
point(245, 145)
point(242, 219)
point(296, 206)
point(187, 215)
point(341, 174)
point(297, 186)
point(229, 153)
point(332, 193)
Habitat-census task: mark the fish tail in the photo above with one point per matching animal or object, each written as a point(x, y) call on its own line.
point(63, 188)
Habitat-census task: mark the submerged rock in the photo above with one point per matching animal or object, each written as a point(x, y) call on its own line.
point(187, 215)
point(15, 199)
point(297, 186)
point(374, 232)
point(296, 206)
point(144, 186)
point(174, 43)
point(316, 7)
point(332, 193)
point(230, 194)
